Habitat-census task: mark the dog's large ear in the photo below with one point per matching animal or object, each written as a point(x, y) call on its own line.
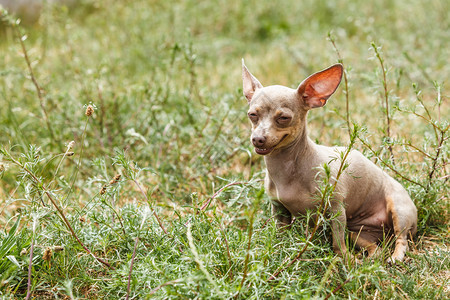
point(251, 84)
point(317, 88)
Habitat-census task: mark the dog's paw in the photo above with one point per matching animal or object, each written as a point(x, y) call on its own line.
point(395, 259)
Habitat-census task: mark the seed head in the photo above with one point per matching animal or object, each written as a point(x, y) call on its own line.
point(70, 145)
point(2, 167)
point(47, 255)
point(70, 153)
point(115, 179)
point(89, 110)
point(103, 190)
point(58, 248)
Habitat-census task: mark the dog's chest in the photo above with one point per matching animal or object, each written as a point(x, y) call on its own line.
point(289, 190)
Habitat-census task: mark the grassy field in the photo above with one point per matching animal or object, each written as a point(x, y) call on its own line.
point(188, 216)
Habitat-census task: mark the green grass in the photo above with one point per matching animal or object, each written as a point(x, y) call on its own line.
point(165, 80)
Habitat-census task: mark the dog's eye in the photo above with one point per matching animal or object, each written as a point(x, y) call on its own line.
point(283, 119)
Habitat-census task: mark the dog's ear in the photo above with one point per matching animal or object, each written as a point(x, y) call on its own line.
point(251, 84)
point(317, 88)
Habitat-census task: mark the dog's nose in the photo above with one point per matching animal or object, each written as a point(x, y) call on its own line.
point(258, 141)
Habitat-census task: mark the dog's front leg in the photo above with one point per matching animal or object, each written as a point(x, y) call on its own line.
point(282, 216)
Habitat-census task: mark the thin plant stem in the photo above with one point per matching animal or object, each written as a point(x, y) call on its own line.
point(267, 222)
point(134, 255)
point(228, 250)
point(30, 264)
point(118, 217)
point(326, 276)
point(197, 257)
point(206, 205)
point(163, 285)
point(389, 166)
point(439, 101)
point(337, 288)
point(250, 234)
point(247, 256)
point(214, 140)
point(29, 270)
point(386, 100)
point(435, 127)
point(79, 159)
point(435, 160)
point(131, 267)
point(429, 119)
point(60, 162)
point(39, 89)
point(417, 149)
point(438, 131)
point(61, 213)
point(154, 211)
point(341, 61)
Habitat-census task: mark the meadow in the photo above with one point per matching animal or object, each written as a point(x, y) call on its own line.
point(126, 169)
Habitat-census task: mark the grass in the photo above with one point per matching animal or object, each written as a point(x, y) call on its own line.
point(188, 217)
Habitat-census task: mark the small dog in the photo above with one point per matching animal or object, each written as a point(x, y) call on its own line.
point(367, 201)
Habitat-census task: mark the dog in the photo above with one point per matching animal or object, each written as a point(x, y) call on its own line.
point(367, 201)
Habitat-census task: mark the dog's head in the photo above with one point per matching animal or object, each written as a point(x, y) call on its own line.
point(278, 113)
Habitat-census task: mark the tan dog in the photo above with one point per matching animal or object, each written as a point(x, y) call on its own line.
point(367, 201)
